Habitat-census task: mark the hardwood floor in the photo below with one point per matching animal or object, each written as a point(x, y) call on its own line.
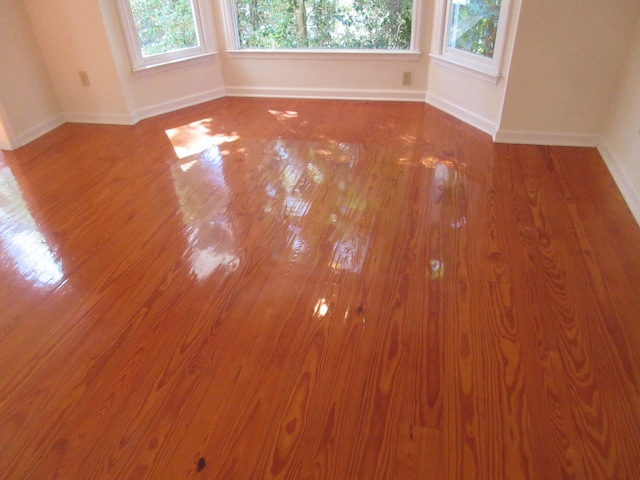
point(314, 290)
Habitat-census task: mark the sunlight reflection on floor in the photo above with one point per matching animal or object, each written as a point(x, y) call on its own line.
point(24, 242)
point(196, 137)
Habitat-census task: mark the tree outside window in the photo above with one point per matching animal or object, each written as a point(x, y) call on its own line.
point(164, 25)
point(473, 26)
point(324, 24)
point(165, 31)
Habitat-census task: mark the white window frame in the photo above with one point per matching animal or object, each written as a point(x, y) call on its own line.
point(232, 40)
point(488, 69)
point(204, 33)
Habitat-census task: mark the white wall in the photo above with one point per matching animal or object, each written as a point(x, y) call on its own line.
point(72, 38)
point(86, 36)
point(620, 147)
point(565, 68)
point(29, 105)
point(474, 100)
point(7, 137)
point(347, 78)
point(324, 76)
point(161, 89)
point(5, 144)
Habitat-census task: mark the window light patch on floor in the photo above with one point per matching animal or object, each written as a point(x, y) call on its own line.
point(206, 261)
point(197, 137)
point(283, 114)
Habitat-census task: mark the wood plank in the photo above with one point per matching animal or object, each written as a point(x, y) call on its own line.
point(326, 290)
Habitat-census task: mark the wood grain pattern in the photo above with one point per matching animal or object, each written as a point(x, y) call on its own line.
point(254, 289)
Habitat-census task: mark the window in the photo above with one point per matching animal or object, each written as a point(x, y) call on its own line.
point(378, 25)
point(165, 31)
point(470, 34)
point(472, 26)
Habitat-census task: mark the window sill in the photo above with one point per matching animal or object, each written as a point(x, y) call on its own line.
point(173, 64)
point(476, 71)
point(310, 54)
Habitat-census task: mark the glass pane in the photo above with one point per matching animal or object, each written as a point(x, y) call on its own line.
point(473, 25)
point(164, 25)
point(350, 24)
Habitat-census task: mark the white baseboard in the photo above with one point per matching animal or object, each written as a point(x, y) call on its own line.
point(146, 112)
point(467, 116)
point(182, 102)
point(99, 118)
point(625, 185)
point(328, 94)
point(547, 138)
point(45, 127)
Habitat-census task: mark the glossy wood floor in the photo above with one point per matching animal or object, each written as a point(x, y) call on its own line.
point(254, 289)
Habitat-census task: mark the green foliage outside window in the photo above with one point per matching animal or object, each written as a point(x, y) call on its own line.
point(473, 26)
point(164, 25)
point(338, 24)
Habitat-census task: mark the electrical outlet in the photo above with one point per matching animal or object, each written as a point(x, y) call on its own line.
point(406, 78)
point(84, 78)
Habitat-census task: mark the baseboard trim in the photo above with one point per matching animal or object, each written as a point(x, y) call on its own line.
point(177, 104)
point(146, 112)
point(467, 116)
point(99, 118)
point(547, 138)
point(626, 187)
point(328, 94)
point(43, 128)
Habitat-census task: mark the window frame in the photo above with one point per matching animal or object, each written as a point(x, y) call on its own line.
point(232, 39)
point(488, 69)
point(204, 33)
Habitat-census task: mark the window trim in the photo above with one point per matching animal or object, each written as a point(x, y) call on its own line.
point(232, 39)
point(488, 69)
point(204, 33)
